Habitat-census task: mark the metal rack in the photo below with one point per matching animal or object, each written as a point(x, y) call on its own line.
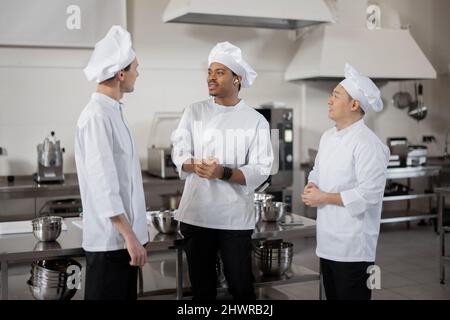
point(443, 230)
point(409, 214)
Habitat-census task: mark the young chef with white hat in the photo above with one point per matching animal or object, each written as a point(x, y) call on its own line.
point(222, 148)
point(109, 174)
point(347, 185)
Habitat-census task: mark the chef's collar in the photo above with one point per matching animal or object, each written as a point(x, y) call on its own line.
point(227, 108)
point(354, 126)
point(105, 100)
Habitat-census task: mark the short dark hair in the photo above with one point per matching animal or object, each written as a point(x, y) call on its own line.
point(127, 68)
point(361, 110)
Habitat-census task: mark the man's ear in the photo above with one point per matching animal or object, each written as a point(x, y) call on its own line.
point(120, 75)
point(355, 105)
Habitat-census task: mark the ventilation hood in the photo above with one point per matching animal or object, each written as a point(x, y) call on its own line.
point(280, 14)
point(389, 54)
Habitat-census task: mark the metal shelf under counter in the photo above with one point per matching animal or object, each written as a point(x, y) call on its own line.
point(409, 197)
point(69, 245)
point(409, 214)
point(413, 172)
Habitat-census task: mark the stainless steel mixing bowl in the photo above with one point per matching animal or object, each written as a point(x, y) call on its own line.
point(47, 228)
point(273, 211)
point(164, 221)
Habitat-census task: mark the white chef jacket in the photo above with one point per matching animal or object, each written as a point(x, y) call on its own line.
point(109, 175)
point(353, 162)
point(202, 133)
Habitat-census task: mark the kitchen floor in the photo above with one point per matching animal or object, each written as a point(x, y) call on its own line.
point(408, 260)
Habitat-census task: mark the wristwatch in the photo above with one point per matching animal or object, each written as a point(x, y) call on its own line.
point(227, 173)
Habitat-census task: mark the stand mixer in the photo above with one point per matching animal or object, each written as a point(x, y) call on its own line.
point(50, 160)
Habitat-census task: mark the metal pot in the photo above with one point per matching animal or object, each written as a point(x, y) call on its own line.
point(171, 201)
point(273, 258)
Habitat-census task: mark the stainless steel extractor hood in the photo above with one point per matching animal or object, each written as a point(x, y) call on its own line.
point(384, 53)
point(280, 14)
point(381, 54)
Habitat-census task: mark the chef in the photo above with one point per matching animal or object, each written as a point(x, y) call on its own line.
point(347, 185)
point(222, 148)
point(109, 175)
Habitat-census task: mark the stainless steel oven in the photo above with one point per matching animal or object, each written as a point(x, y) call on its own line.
point(282, 119)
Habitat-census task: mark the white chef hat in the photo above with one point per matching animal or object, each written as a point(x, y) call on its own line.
point(111, 54)
point(361, 88)
point(231, 56)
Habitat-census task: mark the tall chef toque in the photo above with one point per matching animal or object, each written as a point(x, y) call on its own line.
point(111, 54)
point(361, 88)
point(231, 56)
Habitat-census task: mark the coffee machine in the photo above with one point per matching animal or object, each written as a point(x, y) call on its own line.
point(50, 160)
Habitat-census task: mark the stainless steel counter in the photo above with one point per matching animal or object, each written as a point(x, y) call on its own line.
point(26, 187)
point(25, 247)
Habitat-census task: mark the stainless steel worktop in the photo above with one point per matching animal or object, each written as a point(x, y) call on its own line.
point(413, 172)
point(26, 187)
point(25, 247)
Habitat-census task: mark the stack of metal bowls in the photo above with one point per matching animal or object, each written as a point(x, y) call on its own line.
point(47, 228)
point(273, 258)
point(48, 279)
point(164, 221)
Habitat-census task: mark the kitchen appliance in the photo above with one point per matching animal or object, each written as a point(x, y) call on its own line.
point(160, 163)
point(50, 160)
point(417, 155)
point(398, 147)
point(281, 118)
point(159, 152)
point(364, 48)
point(285, 14)
point(69, 207)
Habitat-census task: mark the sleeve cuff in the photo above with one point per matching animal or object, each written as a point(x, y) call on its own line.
point(182, 174)
point(252, 180)
point(353, 202)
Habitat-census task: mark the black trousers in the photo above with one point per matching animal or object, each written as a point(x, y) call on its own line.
point(202, 246)
point(109, 276)
point(345, 280)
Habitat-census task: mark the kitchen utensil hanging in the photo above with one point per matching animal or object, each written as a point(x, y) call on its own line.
point(417, 109)
point(402, 99)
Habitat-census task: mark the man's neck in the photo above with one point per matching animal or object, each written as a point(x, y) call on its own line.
point(110, 91)
point(345, 123)
point(227, 101)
